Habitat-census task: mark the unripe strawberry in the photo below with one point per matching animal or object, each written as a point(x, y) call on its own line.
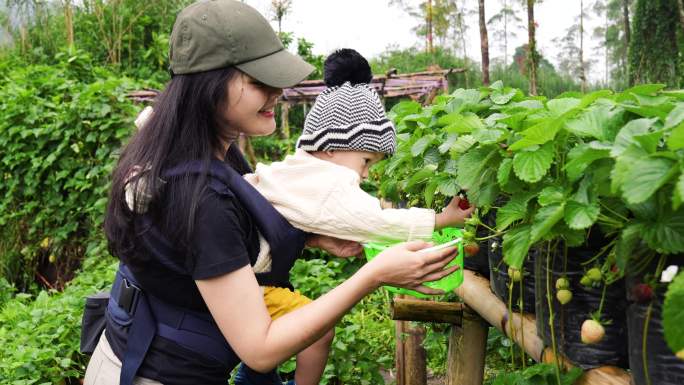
point(471, 249)
point(642, 292)
point(564, 296)
point(594, 274)
point(515, 274)
point(592, 332)
point(680, 354)
point(562, 283)
point(52, 258)
point(585, 281)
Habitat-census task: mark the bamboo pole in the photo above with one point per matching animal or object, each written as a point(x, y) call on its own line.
point(477, 294)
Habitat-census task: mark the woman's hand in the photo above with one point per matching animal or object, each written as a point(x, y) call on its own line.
point(335, 246)
point(404, 266)
point(453, 214)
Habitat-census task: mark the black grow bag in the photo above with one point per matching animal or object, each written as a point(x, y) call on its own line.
point(479, 263)
point(499, 279)
point(568, 319)
point(664, 368)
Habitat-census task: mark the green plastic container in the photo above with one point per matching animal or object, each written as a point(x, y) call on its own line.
point(448, 283)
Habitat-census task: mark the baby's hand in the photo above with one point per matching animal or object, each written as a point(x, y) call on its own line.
point(454, 213)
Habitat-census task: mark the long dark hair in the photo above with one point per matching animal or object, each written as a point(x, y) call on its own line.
point(185, 126)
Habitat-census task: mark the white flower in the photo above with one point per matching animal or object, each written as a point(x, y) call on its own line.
point(669, 274)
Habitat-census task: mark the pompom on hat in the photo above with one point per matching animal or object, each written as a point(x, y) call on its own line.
point(348, 117)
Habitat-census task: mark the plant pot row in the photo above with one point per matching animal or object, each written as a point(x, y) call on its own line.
point(624, 317)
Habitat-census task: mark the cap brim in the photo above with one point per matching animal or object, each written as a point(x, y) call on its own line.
point(280, 69)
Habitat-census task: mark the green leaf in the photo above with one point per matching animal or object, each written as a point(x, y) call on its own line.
point(421, 144)
point(678, 192)
point(627, 244)
point(449, 187)
point(422, 175)
point(545, 219)
point(625, 136)
point(581, 215)
point(514, 210)
point(675, 117)
point(673, 314)
point(643, 89)
point(503, 96)
point(516, 246)
point(550, 195)
point(558, 107)
point(540, 133)
point(650, 141)
point(593, 123)
point(465, 124)
point(504, 172)
point(448, 119)
point(471, 165)
point(623, 165)
point(676, 139)
point(450, 140)
point(666, 234)
point(645, 177)
point(429, 193)
point(488, 136)
point(581, 157)
point(462, 145)
point(533, 163)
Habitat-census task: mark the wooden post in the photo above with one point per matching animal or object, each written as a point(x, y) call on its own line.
point(415, 372)
point(426, 311)
point(467, 350)
point(410, 354)
point(284, 120)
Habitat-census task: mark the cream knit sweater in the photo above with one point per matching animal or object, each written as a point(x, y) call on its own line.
point(324, 198)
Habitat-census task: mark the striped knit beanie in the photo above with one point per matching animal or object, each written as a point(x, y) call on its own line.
point(348, 117)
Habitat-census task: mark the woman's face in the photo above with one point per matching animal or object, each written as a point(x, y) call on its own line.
point(250, 107)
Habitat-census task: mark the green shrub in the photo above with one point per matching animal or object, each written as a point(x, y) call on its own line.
point(60, 129)
point(364, 338)
point(39, 335)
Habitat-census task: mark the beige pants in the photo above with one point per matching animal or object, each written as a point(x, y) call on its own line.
point(104, 367)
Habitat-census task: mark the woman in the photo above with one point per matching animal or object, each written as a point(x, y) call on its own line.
point(186, 306)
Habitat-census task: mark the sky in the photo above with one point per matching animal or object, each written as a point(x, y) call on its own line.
point(371, 26)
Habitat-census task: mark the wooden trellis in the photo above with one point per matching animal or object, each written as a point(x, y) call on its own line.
point(468, 338)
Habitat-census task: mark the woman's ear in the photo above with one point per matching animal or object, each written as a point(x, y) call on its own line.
point(329, 153)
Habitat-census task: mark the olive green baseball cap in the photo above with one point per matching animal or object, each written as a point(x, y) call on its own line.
point(213, 34)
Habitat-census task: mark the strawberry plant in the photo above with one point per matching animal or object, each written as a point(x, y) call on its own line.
point(556, 173)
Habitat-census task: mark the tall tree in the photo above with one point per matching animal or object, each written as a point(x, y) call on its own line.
point(68, 22)
point(653, 50)
point(532, 48)
point(436, 19)
point(280, 9)
point(503, 25)
point(484, 43)
point(583, 73)
point(681, 12)
point(428, 22)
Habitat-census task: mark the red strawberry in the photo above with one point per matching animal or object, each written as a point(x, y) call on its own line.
point(642, 292)
point(471, 249)
point(463, 204)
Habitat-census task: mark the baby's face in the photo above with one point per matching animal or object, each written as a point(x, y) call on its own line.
point(358, 161)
